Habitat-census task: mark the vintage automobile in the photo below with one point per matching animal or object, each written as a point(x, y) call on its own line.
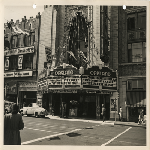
point(33, 109)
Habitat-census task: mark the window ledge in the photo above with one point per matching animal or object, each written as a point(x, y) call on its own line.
point(133, 63)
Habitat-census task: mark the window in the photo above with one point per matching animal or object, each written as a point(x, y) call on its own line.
point(141, 20)
point(32, 38)
point(13, 63)
point(19, 41)
point(136, 84)
point(137, 52)
point(136, 21)
point(27, 40)
point(14, 42)
point(6, 44)
point(28, 61)
point(131, 23)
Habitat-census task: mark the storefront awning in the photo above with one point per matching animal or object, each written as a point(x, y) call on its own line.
point(136, 99)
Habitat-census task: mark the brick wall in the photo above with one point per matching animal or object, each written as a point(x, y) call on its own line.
point(122, 45)
point(96, 33)
point(45, 36)
point(114, 38)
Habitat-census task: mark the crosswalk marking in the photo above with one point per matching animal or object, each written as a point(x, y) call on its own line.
point(38, 139)
point(116, 137)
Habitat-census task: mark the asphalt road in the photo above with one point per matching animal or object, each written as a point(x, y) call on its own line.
point(45, 131)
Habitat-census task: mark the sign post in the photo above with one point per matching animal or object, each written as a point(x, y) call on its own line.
point(115, 109)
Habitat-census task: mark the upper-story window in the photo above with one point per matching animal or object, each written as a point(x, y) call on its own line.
point(19, 41)
point(137, 52)
point(6, 43)
point(26, 40)
point(141, 21)
point(32, 38)
point(14, 42)
point(28, 61)
point(131, 23)
point(29, 40)
point(13, 63)
point(136, 84)
point(136, 21)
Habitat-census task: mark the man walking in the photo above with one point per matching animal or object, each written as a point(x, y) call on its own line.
point(103, 112)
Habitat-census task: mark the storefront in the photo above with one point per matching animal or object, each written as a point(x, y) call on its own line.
point(135, 98)
point(73, 92)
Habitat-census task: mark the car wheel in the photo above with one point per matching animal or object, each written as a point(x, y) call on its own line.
point(36, 115)
point(43, 116)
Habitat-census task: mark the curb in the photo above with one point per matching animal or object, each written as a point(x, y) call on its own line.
point(131, 125)
point(100, 122)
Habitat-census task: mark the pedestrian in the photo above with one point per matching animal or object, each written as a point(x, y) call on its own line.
point(103, 112)
point(120, 114)
point(52, 111)
point(141, 117)
point(12, 124)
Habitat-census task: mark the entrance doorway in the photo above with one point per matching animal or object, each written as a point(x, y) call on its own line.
point(105, 99)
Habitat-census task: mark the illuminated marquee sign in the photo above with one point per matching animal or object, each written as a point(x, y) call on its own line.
point(55, 82)
point(64, 72)
point(19, 51)
point(95, 78)
point(72, 81)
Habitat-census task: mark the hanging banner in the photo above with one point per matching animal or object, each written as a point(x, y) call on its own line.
point(20, 61)
point(7, 63)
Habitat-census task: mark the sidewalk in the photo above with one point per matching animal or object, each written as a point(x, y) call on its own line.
point(109, 122)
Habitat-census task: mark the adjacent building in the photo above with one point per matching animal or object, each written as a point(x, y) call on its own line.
point(21, 45)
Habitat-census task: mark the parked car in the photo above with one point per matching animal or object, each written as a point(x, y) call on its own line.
point(33, 109)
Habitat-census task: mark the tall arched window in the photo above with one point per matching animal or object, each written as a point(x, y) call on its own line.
point(14, 41)
point(19, 41)
point(27, 40)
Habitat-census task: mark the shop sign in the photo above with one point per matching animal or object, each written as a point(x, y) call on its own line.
point(19, 51)
point(9, 75)
point(7, 63)
point(64, 91)
point(23, 74)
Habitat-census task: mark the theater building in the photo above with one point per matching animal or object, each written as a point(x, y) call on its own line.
point(74, 76)
point(20, 60)
point(76, 92)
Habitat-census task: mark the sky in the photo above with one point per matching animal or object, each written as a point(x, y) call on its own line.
point(18, 12)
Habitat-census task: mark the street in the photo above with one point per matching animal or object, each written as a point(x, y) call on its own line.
point(45, 131)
